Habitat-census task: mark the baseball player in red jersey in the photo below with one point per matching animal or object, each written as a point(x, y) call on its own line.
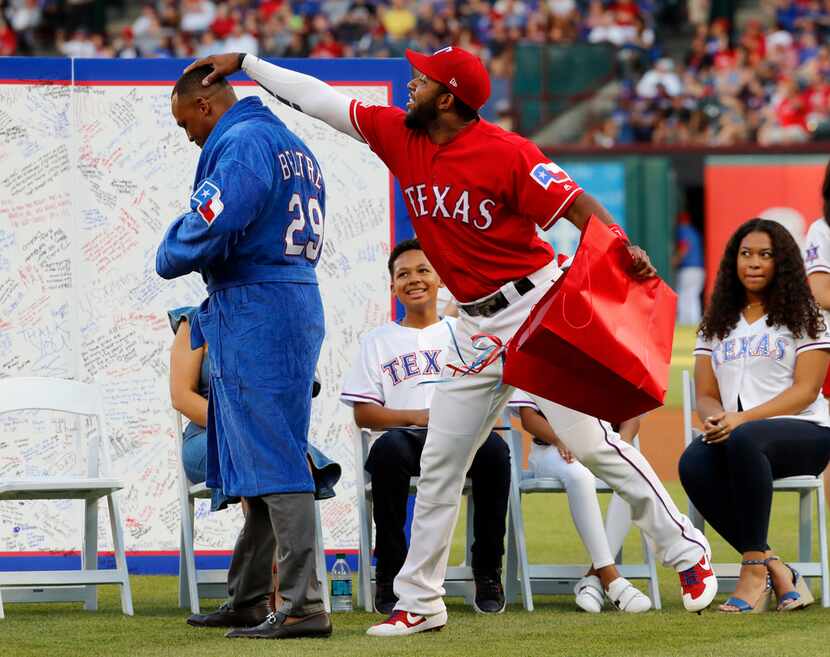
point(476, 194)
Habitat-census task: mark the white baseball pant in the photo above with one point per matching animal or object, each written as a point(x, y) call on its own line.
point(463, 412)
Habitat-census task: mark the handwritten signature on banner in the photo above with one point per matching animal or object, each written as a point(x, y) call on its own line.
point(79, 297)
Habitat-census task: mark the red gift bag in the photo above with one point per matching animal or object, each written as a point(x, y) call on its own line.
point(600, 340)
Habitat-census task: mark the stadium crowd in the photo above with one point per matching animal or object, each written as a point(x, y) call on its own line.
point(763, 81)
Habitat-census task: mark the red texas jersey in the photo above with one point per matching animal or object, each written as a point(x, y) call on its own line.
point(475, 201)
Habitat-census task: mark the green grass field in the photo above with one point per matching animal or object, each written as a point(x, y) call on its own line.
point(555, 628)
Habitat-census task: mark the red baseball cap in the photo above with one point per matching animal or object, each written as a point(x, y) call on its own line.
point(458, 70)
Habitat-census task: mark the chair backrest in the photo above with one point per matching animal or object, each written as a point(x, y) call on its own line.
point(62, 395)
point(33, 392)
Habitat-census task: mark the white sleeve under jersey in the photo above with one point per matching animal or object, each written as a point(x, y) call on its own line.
point(756, 363)
point(303, 92)
point(521, 398)
point(817, 248)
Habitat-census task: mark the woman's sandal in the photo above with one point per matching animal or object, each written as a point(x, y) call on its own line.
point(800, 598)
point(739, 606)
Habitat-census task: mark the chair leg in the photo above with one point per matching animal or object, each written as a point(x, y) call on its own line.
point(89, 555)
point(653, 582)
point(188, 581)
point(822, 536)
point(523, 565)
point(468, 550)
point(365, 597)
point(322, 576)
point(2, 613)
point(120, 554)
point(805, 526)
point(511, 575)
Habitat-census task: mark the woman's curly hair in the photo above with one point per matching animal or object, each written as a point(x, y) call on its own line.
point(787, 298)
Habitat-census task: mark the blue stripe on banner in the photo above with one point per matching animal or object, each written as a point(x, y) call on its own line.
point(35, 68)
point(138, 563)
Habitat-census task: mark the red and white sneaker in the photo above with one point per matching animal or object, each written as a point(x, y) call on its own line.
point(402, 623)
point(699, 585)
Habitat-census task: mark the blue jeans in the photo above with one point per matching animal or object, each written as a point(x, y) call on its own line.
point(326, 473)
point(194, 459)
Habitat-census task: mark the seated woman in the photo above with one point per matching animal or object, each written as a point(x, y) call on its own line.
point(550, 458)
point(760, 360)
point(189, 388)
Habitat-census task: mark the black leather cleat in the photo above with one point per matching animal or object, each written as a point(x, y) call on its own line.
point(274, 627)
point(226, 616)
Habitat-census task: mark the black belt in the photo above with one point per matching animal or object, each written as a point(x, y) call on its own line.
point(497, 302)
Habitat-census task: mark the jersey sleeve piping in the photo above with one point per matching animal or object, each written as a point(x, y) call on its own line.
point(565, 205)
point(355, 122)
point(356, 398)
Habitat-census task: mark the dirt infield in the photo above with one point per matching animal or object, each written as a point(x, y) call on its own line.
point(661, 440)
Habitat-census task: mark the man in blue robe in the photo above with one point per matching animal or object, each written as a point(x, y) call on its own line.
point(255, 233)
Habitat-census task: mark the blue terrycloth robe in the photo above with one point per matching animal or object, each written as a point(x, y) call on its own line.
point(255, 232)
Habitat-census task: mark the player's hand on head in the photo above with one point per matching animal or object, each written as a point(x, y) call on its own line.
point(641, 263)
point(223, 66)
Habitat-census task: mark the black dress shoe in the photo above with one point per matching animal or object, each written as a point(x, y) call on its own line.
point(385, 598)
point(274, 627)
point(227, 616)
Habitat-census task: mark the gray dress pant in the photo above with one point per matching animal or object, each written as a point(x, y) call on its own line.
point(281, 522)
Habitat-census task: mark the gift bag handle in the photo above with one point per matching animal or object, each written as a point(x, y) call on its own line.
point(590, 299)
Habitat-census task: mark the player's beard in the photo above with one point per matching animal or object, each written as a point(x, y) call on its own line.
point(420, 117)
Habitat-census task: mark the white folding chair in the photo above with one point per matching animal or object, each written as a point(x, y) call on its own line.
point(806, 486)
point(525, 578)
point(212, 582)
point(458, 581)
point(80, 399)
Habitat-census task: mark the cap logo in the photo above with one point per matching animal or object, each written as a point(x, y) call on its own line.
point(453, 82)
point(438, 52)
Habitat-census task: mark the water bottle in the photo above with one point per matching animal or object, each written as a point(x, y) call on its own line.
point(341, 584)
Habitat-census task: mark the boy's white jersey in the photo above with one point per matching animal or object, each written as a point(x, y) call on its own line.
point(396, 363)
point(756, 362)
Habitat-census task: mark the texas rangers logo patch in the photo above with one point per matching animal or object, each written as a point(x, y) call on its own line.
point(208, 200)
point(812, 253)
point(546, 173)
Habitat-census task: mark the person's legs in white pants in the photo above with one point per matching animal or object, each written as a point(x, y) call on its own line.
point(580, 486)
point(598, 447)
point(617, 523)
point(462, 415)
